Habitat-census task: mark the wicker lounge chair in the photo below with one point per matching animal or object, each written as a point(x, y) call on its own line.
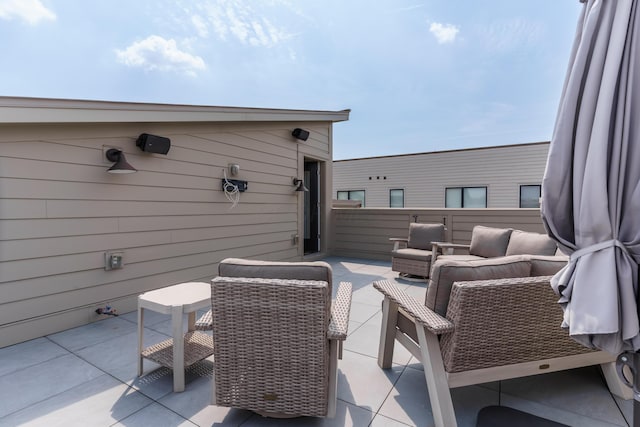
point(277, 341)
point(474, 331)
point(411, 256)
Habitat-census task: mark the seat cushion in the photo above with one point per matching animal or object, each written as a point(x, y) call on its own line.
point(544, 265)
point(524, 242)
point(445, 272)
point(421, 235)
point(489, 242)
point(461, 257)
point(411, 253)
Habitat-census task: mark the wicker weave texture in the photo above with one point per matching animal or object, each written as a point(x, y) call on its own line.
point(204, 322)
point(340, 310)
point(410, 266)
point(433, 321)
point(271, 351)
point(197, 346)
point(502, 322)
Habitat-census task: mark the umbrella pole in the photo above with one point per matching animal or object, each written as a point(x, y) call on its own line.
point(636, 393)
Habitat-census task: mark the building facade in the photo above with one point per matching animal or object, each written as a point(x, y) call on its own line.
point(62, 213)
point(490, 177)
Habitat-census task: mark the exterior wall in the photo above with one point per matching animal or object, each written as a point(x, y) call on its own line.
point(365, 232)
point(425, 176)
point(60, 211)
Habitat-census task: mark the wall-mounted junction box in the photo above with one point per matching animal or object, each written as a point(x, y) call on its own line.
point(113, 260)
point(231, 184)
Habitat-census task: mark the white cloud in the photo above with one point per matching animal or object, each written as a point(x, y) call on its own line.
point(157, 53)
point(444, 33)
point(239, 20)
point(509, 35)
point(200, 25)
point(32, 11)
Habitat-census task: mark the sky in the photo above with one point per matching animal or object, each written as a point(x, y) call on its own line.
point(418, 76)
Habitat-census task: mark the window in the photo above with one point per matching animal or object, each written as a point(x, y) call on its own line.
point(396, 198)
point(465, 197)
point(352, 195)
point(530, 196)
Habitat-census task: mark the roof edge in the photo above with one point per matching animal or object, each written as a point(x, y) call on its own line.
point(488, 147)
point(14, 110)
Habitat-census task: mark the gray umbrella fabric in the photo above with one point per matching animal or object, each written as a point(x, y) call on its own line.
point(591, 186)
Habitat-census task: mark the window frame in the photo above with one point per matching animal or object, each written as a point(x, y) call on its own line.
point(396, 189)
point(520, 195)
point(364, 195)
point(462, 188)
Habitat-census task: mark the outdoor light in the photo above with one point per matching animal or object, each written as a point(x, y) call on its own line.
point(300, 134)
point(299, 184)
point(120, 165)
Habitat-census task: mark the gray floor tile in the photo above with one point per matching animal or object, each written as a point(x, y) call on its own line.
point(23, 355)
point(93, 334)
point(362, 312)
point(100, 402)
point(365, 340)
point(626, 406)
point(382, 421)
point(367, 295)
point(555, 414)
point(195, 405)
point(409, 401)
point(579, 391)
point(155, 415)
point(347, 415)
point(26, 387)
point(362, 382)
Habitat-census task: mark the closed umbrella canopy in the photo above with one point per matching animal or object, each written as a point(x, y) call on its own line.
point(591, 186)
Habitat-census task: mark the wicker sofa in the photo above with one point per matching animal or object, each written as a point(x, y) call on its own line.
point(484, 320)
point(491, 242)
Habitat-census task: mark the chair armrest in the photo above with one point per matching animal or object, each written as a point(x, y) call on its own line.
point(448, 246)
point(399, 240)
point(340, 309)
point(435, 323)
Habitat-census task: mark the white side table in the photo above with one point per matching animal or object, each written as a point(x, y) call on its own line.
point(182, 350)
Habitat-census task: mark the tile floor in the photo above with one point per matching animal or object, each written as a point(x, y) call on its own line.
point(87, 377)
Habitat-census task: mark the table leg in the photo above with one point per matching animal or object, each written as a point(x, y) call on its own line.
point(140, 338)
point(178, 348)
point(191, 323)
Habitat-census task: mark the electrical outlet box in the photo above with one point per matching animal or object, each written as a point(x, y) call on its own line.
point(231, 184)
point(113, 260)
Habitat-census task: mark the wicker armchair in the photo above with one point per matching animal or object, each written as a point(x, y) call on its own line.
point(411, 256)
point(277, 341)
point(491, 330)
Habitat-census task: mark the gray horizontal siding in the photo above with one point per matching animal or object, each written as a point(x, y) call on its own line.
point(365, 232)
point(60, 211)
point(424, 177)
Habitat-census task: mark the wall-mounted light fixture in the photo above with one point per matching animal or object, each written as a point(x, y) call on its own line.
point(300, 134)
point(120, 165)
point(299, 184)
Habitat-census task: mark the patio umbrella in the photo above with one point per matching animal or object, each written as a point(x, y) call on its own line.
point(591, 186)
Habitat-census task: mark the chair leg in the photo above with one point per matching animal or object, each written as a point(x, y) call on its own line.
point(437, 384)
point(333, 378)
point(387, 333)
point(615, 384)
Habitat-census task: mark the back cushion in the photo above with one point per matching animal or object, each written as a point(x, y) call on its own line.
point(489, 242)
point(523, 242)
point(421, 235)
point(236, 267)
point(446, 272)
